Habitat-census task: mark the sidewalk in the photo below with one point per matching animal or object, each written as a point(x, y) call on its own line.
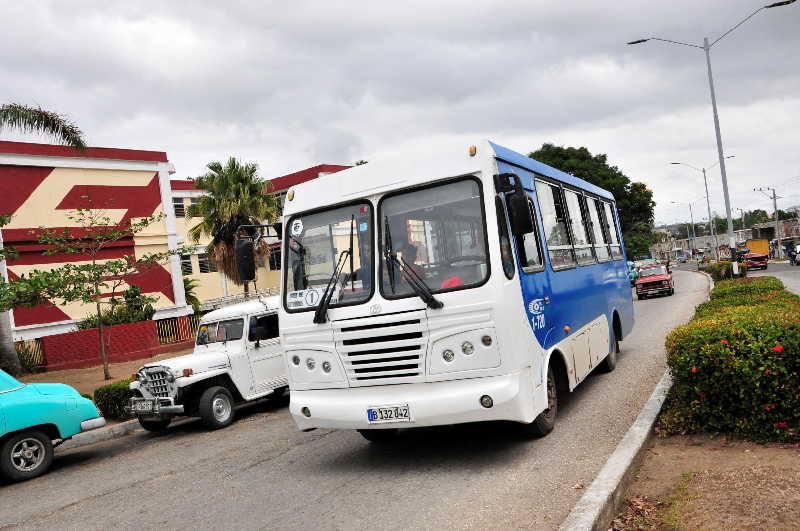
point(89, 379)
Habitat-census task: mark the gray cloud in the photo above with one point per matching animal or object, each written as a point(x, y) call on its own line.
point(292, 85)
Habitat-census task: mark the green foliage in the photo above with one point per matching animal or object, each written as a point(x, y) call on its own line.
point(634, 200)
point(111, 399)
point(736, 365)
point(190, 291)
point(745, 287)
point(88, 396)
point(37, 120)
point(722, 270)
point(29, 361)
point(136, 307)
point(235, 196)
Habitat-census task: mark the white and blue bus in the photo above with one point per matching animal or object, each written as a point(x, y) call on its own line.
point(462, 285)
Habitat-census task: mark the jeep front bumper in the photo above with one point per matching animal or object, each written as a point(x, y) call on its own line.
point(153, 407)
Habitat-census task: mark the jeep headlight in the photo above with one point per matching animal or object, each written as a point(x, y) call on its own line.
point(170, 377)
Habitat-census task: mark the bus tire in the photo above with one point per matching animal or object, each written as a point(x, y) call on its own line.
point(379, 436)
point(546, 421)
point(610, 361)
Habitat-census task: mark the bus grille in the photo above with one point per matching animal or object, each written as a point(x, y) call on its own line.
point(157, 383)
point(385, 349)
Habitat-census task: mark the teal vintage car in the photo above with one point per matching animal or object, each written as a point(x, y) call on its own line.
point(32, 416)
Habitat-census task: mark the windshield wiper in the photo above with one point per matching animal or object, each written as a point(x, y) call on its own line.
point(414, 280)
point(321, 315)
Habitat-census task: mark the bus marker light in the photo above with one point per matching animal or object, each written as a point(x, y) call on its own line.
point(567, 329)
point(448, 355)
point(486, 401)
point(486, 340)
point(305, 411)
point(473, 150)
point(467, 348)
point(310, 363)
point(326, 366)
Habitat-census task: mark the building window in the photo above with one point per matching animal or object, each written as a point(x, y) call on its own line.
point(186, 264)
point(193, 202)
point(275, 260)
point(206, 264)
point(177, 206)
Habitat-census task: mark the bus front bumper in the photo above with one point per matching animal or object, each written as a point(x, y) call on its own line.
point(430, 404)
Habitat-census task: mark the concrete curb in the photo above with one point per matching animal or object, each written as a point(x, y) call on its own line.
point(101, 434)
point(598, 506)
point(601, 502)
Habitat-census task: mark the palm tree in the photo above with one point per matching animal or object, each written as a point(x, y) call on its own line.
point(235, 196)
point(25, 119)
point(189, 288)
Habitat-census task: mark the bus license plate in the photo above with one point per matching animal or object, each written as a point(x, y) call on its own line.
point(386, 414)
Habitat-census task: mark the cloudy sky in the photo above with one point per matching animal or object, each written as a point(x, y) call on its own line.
point(293, 84)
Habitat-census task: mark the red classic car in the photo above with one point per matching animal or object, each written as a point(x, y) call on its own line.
point(756, 260)
point(654, 280)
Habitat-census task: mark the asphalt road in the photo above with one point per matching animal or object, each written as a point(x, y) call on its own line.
point(262, 473)
point(789, 275)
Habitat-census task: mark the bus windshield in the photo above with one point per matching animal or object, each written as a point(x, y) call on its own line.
point(315, 243)
point(439, 233)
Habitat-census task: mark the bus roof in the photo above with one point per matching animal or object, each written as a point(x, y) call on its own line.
point(533, 165)
point(415, 166)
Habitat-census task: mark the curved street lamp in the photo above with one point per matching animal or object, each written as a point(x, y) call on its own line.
point(706, 47)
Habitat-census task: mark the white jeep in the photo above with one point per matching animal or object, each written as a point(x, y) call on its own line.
point(237, 358)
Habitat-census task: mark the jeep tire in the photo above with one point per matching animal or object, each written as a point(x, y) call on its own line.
point(26, 455)
point(154, 425)
point(216, 407)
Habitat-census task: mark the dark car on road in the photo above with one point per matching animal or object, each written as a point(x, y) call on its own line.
point(756, 261)
point(654, 280)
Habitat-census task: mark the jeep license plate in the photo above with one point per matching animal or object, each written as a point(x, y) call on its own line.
point(143, 406)
point(387, 414)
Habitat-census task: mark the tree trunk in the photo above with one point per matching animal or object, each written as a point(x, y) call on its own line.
point(8, 354)
point(103, 353)
point(246, 287)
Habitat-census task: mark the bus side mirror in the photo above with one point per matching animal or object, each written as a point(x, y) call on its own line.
point(519, 213)
point(245, 259)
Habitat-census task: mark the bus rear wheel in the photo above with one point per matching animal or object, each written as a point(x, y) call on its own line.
point(546, 421)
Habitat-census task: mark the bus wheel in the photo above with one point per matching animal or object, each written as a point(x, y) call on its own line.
point(379, 436)
point(546, 421)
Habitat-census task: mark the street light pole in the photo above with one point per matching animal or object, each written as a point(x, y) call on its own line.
point(731, 239)
point(706, 47)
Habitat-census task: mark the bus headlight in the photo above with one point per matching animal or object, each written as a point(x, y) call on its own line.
point(296, 360)
point(326, 366)
point(467, 348)
point(448, 355)
point(310, 364)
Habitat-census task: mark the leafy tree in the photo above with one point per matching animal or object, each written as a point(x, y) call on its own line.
point(90, 281)
point(235, 196)
point(634, 200)
point(25, 119)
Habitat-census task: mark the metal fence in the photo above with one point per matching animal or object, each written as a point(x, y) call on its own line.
point(31, 355)
point(177, 329)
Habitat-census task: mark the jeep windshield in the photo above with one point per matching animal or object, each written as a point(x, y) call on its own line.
point(315, 243)
point(220, 331)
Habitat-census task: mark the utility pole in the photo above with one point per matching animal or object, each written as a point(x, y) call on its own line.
point(778, 248)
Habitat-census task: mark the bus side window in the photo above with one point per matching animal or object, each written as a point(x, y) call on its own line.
point(529, 247)
point(556, 232)
point(506, 256)
point(581, 238)
point(611, 225)
point(598, 230)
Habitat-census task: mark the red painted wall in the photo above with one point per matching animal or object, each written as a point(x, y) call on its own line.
point(81, 349)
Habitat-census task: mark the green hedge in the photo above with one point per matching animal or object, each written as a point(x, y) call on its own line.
point(722, 270)
point(736, 365)
point(111, 399)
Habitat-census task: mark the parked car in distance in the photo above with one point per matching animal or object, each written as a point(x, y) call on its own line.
point(237, 358)
point(756, 261)
point(32, 416)
point(633, 274)
point(654, 280)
